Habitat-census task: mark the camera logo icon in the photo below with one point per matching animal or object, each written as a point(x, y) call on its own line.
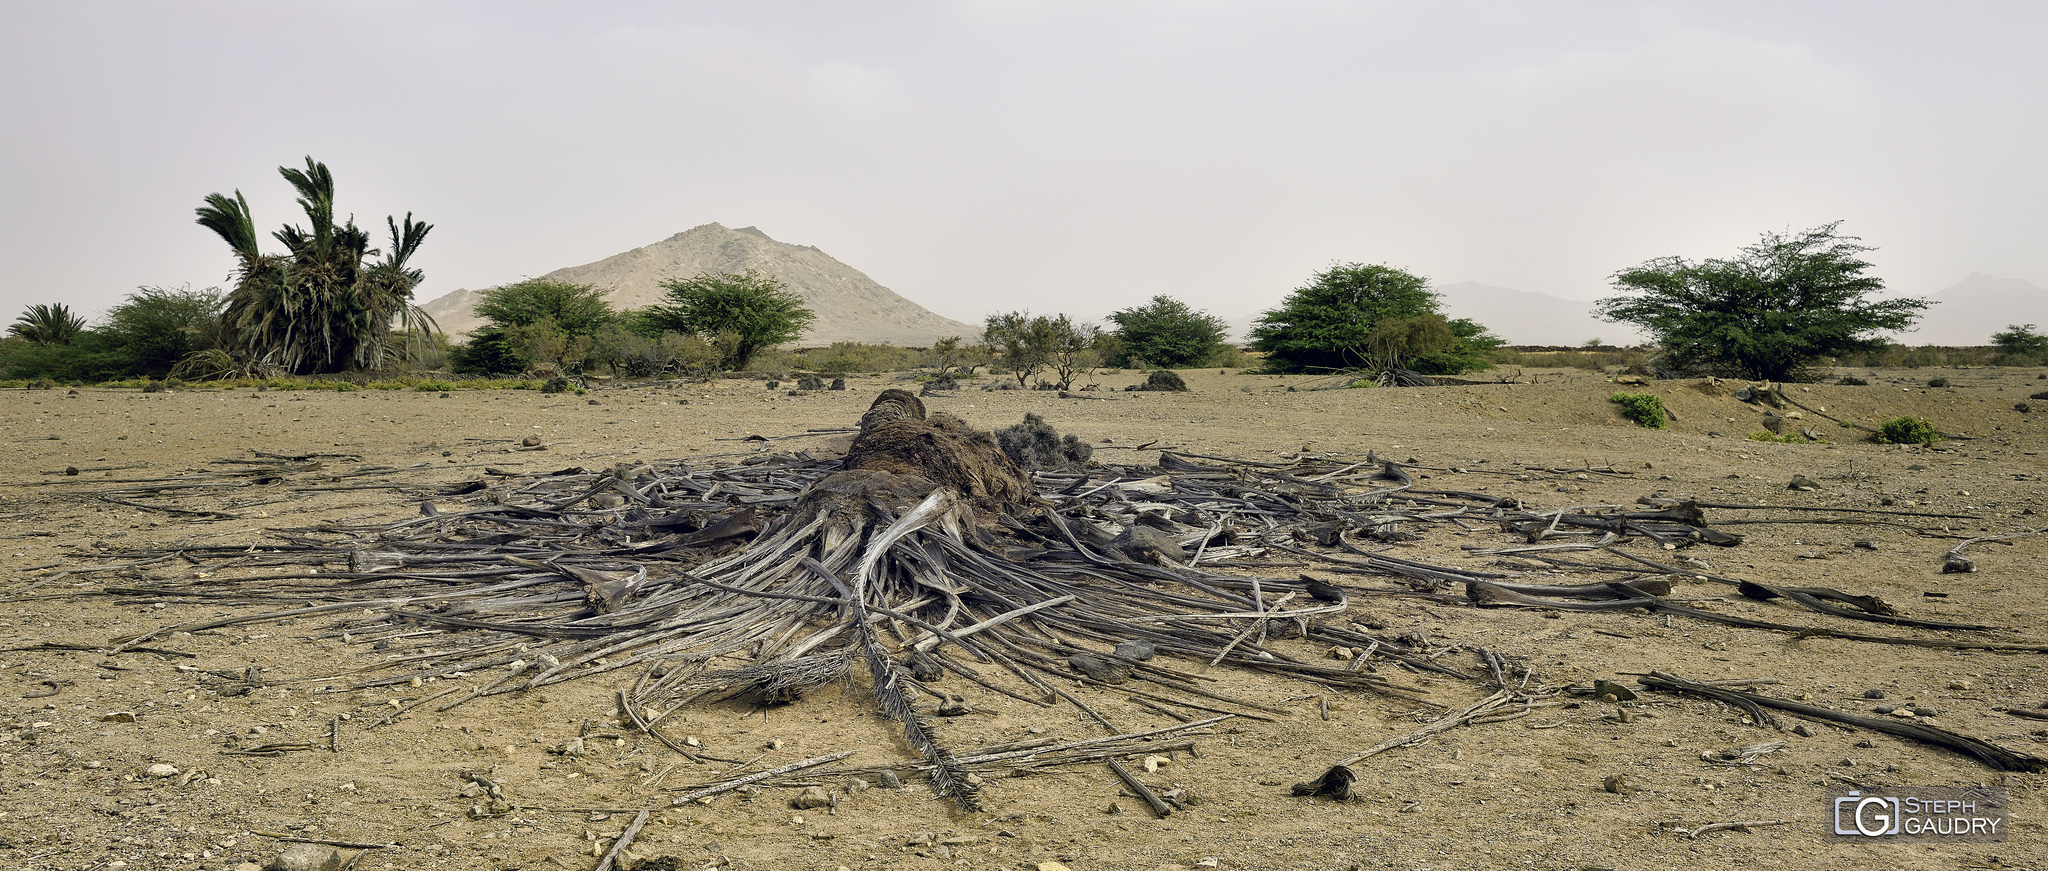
point(1867, 815)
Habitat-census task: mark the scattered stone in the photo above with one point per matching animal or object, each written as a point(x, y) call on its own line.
point(1802, 483)
point(811, 797)
point(1138, 650)
point(1802, 730)
point(1957, 564)
point(162, 769)
point(307, 857)
point(1057, 866)
point(1864, 544)
point(1100, 668)
point(118, 717)
point(889, 780)
point(1617, 784)
point(1884, 709)
point(1959, 685)
point(531, 441)
point(1873, 694)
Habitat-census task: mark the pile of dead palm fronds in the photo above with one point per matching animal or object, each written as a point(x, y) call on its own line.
point(926, 554)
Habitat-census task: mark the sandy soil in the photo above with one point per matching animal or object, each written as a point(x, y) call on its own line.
point(77, 792)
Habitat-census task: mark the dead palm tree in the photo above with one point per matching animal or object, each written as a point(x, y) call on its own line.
point(325, 305)
point(51, 324)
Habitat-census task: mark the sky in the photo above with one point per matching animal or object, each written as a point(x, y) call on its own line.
point(994, 155)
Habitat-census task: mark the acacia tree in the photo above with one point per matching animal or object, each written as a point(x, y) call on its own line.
point(47, 324)
point(1769, 313)
point(156, 328)
point(1029, 344)
point(738, 312)
point(2021, 339)
point(534, 321)
point(324, 305)
point(1352, 316)
point(1167, 333)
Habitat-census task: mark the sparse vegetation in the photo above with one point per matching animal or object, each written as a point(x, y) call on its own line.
point(1028, 345)
point(1908, 431)
point(739, 313)
point(1646, 409)
point(1771, 313)
point(1163, 380)
point(1035, 446)
point(1166, 333)
point(1378, 318)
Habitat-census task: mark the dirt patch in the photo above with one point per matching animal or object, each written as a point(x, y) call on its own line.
point(84, 789)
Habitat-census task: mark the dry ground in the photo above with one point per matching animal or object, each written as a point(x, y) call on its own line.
point(76, 793)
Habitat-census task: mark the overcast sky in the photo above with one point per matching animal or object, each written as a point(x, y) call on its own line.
point(1073, 157)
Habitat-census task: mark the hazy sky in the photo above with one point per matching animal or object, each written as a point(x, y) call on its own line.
point(1077, 157)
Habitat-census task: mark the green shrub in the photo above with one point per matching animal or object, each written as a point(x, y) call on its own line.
point(1907, 431)
point(1644, 408)
point(434, 386)
point(1852, 381)
point(1787, 438)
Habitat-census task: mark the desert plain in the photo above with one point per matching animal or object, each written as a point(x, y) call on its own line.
point(124, 761)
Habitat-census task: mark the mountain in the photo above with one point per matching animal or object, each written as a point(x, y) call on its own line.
point(1519, 316)
point(850, 306)
point(1527, 318)
point(1970, 311)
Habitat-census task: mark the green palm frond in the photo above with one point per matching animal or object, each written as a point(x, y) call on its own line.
point(230, 219)
point(48, 324)
point(315, 185)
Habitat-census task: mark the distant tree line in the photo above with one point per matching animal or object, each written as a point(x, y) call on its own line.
point(331, 302)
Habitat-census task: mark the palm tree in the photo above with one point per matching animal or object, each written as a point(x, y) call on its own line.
point(47, 324)
point(324, 305)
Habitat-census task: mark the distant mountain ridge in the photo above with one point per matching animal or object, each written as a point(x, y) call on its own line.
point(851, 307)
point(1968, 312)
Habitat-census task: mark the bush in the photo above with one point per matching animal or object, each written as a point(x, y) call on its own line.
point(1907, 431)
point(1165, 380)
point(1034, 445)
point(1937, 382)
point(1852, 381)
point(1644, 408)
point(41, 384)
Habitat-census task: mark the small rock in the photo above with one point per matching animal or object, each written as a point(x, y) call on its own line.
point(1957, 564)
point(1138, 650)
point(1923, 711)
point(1864, 544)
point(307, 857)
point(1959, 685)
point(1802, 483)
point(1884, 709)
point(889, 780)
point(531, 441)
point(1902, 712)
point(1873, 694)
point(1617, 784)
point(1802, 731)
point(811, 797)
point(1052, 866)
point(118, 717)
point(1099, 668)
point(162, 769)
